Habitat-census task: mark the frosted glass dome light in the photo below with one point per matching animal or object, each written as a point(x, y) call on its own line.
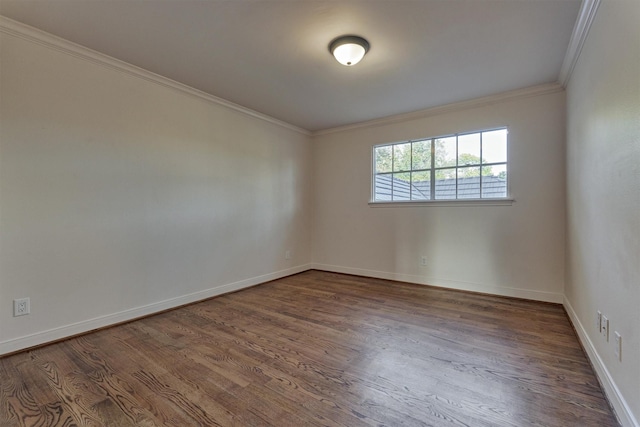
point(349, 50)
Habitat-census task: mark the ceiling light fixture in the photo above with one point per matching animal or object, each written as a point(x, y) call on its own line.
point(349, 50)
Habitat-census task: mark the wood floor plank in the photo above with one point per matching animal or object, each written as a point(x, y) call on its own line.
point(316, 349)
point(17, 405)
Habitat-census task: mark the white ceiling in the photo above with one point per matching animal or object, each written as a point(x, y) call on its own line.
point(271, 55)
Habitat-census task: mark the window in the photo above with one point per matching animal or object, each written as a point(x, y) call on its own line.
point(468, 166)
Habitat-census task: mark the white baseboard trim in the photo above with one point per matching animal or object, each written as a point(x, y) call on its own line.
point(620, 406)
point(444, 283)
point(618, 402)
point(55, 334)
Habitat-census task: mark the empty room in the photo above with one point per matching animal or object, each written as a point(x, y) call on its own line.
point(319, 213)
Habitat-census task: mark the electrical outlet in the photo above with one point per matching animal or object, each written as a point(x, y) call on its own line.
point(604, 325)
point(618, 348)
point(423, 261)
point(599, 321)
point(287, 254)
point(21, 307)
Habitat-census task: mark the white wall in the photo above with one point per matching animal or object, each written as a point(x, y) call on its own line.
point(515, 250)
point(603, 198)
point(120, 196)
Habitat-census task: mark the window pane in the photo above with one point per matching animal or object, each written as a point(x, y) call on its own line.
point(445, 152)
point(421, 155)
point(446, 184)
point(469, 149)
point(421, 185)
point(449, 173)
point(383, 159)
point(469, 183)
point(401, 186)
point(495, 184)
point(494, 146)
point(382, 188)
point(402, 157)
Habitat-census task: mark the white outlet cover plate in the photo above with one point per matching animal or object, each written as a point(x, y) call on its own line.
point(604, 326)
point(21, 307)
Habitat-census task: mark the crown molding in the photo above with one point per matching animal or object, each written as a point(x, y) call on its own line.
point(587, 13)
point(34, 35)
point(449, 108)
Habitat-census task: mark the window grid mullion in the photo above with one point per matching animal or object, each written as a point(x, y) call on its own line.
point(456, 166)
point(410, 170)
point(432, 181)
point(481, 177)
point(393, 157)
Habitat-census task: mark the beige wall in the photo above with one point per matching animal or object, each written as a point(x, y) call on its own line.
point(513, 250)
point(603, 195)
point(120, 197)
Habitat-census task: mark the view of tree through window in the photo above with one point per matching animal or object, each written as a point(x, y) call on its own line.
point(461, 166)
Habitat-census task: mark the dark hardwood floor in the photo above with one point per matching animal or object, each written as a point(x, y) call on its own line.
point(316, 349)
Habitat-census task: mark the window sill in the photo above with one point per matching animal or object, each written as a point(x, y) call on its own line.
point(459, 202)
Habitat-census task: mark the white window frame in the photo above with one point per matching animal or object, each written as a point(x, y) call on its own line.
point(507, 200)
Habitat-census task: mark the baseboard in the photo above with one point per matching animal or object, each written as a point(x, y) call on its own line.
point(620, 406)
point(62, 332)
point(444, 283)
